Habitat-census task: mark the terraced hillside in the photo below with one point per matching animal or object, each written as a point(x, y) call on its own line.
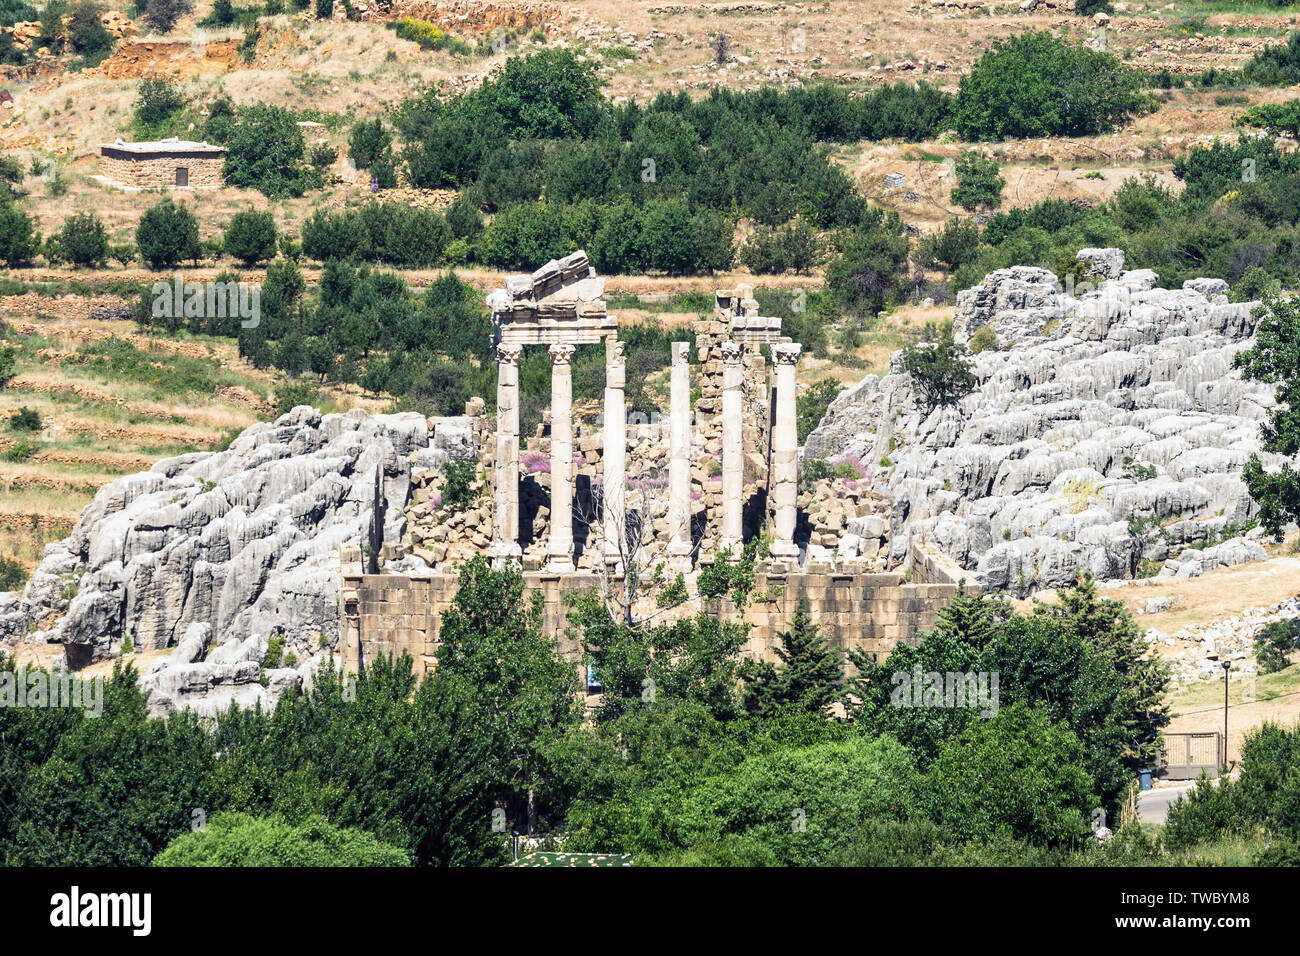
point(108, 401)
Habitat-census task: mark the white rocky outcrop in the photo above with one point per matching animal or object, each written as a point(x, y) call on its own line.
point(225, 549)
point(1099, 410)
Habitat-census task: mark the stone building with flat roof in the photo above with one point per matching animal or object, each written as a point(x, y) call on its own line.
point(163, 164)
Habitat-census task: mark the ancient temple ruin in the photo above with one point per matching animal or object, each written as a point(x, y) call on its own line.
point(597, 487)
point(559, 306)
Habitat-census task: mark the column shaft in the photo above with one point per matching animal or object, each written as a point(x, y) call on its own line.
point(614, 454)
point(783, 481)
point(560, 550)
point(505, 485)
point(733, 451)
point(679, 462)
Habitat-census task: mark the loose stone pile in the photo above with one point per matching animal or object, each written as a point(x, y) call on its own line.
point(843, 522)
point(1197, 651)
point(1106, 435)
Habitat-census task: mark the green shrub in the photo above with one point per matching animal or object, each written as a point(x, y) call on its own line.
point(814, 470)
point(458, 475)
point(157, 101)
point(953, 246)
point(11, 54)
point(377, 232)
point(220, 121)
point(1035, 85)
point(25, 420)
point(1019, 775)
point(866, 273)
point(368, 141)
point(19, 452)
point(811, 406)
point(978, 183)
point(161, 15)
point(984, 339)
point(790, 807)
point(265, 152)
point(274, 651)
point(251, 236)
point(1274, 643)
point(12, 575)
point(86, 32)
point(15, 11)
point(1275, 65)
point(793, 247)
point(1256, 284)
point(1202, 815)
point(1134, 470)
point(8, 363)
point(940, 371)
point(82, 240)
point(240, 839)
point(167, 234)
point(292, 394)
point(223, 14)
point(1284, 852)
point(322, 155)
point(18, 238)
point(1281, 117)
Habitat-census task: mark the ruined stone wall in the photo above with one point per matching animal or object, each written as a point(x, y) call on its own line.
point(160, 172)
point(388, 614)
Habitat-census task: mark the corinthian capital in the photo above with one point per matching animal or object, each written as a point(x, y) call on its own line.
point(561, 353)
point(509, 354)
point(787, 353)
point(731, 353)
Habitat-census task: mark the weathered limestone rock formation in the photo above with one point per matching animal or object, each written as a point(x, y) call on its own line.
point(1107, 433)
point(244, 541)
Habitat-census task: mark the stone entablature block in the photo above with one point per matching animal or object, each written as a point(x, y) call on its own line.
point(559, 304)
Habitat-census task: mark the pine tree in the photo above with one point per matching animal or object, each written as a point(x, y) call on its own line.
point(809, 675)
point(1109, 628)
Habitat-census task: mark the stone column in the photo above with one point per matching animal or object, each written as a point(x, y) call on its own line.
point(679, 462)
point(783, 480)
point(614, 454)
point(505, 483)
point(733, 450)
point(559, 552)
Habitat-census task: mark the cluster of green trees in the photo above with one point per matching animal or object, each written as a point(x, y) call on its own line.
point(1036, 84)
point(167, 234)
point(365, 326)
point(641, 188)
point(694, 757)
point(432, 350)
point(1237, 219)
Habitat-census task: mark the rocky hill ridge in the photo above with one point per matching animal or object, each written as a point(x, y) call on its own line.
point(1106, 434)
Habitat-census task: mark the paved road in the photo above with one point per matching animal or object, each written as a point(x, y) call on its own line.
point(1153, 805)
